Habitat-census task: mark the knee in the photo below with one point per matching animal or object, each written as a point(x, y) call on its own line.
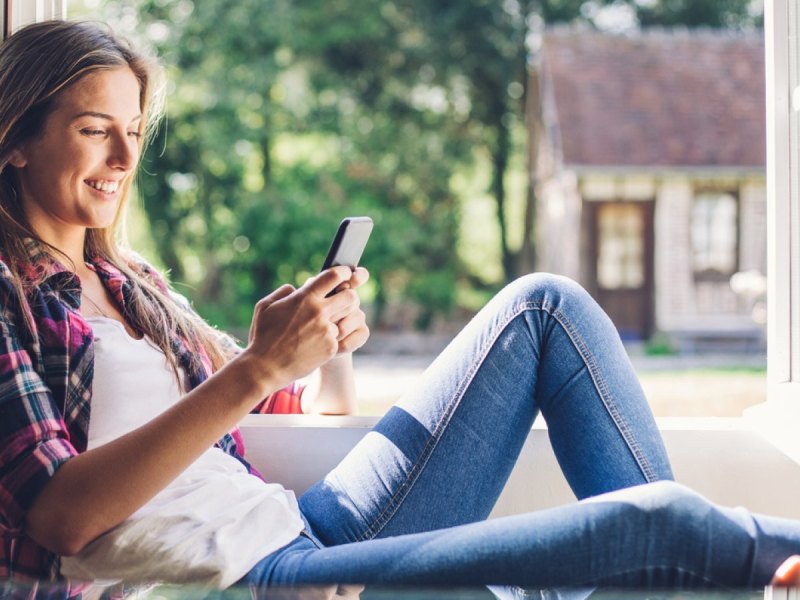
point(670, 504)
point(546, 289)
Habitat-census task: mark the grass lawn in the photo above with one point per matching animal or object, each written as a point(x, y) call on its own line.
point(694, 392)
point(704, 392)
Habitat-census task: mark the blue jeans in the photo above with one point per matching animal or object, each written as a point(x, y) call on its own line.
point(409, 502)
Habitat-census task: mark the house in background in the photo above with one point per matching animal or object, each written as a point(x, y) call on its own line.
point(651, 177)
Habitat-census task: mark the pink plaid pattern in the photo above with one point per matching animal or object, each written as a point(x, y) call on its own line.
point(45, 395)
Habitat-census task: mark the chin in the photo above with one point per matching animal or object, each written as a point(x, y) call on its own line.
point(102, 224)
point(101, 219)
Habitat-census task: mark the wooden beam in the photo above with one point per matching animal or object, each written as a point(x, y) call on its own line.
point(6, 18)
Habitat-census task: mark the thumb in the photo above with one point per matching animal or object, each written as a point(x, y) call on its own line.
point(267, 301)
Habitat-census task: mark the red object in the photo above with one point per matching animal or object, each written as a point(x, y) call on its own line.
point(286, 401)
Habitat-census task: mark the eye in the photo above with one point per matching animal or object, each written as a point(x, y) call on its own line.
point(135, 134)
point(89, 132)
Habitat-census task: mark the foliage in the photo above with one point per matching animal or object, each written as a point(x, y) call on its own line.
point(660, 344)
point(697, 13)
point(284, 117)
point(267, 147)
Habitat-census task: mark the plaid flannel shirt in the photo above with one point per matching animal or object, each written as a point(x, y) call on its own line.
point(46, 392)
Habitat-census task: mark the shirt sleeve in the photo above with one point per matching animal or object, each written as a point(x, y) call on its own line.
point(34, 441)
point(286, 401)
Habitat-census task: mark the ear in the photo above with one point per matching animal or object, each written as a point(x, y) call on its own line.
point(17, 159)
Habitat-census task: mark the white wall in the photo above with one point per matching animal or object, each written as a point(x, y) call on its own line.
point(673, 259)
point(753, 242)
point(721, 458)
point(558, 225)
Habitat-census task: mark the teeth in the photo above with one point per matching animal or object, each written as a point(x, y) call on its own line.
point(108, 187)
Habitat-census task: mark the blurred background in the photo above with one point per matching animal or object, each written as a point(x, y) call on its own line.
point(621, 143)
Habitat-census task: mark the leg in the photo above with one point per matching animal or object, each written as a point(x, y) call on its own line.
point(659, 535)
point(442, 455)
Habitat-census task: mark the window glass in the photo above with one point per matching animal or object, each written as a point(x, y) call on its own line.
point(278, 125)
point(620, 261)
point(714, 235)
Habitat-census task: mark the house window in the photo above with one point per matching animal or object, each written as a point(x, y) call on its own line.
point(620, 256)
point(715, 236)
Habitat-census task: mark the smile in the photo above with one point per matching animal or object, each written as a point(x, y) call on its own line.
point(107, 187)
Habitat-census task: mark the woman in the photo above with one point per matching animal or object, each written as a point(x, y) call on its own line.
point(120, 458)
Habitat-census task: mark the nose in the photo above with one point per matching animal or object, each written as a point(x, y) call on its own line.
point(124, 152)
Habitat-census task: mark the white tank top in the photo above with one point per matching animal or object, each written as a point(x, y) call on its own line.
point(212, 524)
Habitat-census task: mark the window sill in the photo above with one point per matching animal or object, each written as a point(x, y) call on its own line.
point(727, 459)
point(778, 419)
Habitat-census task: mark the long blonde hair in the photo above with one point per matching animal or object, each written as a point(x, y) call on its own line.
point(36, 64)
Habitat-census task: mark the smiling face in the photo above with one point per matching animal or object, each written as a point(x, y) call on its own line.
point(71, 176)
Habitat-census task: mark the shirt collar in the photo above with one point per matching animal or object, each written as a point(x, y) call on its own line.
point(111, 277)
point(43, 266)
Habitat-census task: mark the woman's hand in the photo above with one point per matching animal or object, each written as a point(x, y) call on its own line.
point(294, 331)
point(788, 574)
point(332, 391)
point(353, 330)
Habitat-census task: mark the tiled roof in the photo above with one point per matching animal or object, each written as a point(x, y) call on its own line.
point(658, 98)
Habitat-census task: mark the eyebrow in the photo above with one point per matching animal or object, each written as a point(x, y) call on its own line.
point(99, 115)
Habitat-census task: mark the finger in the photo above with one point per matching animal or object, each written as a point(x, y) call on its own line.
point(355, 340)
point(271, 298)
point(788, 574)
point(345, 285)
point(351, 323)
point(359, 277)
point(328, 280)
point(340, 305)
point(267, 301)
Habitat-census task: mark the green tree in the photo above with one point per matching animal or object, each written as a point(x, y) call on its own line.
point(698, 13)
point(286, 116)
point(367, 68)
point(251, 81)
point(492, 46)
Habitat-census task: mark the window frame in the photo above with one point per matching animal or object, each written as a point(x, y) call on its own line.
point(782, 233)
point(777, 418)
point(16, 13)
point(781, 29)
point(5, 18)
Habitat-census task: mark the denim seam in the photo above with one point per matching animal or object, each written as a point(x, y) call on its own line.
point(394, 503)
point(605, 395)
point(396, 500)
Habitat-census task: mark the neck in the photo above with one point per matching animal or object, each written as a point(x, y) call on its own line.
point(69, 246)
point(69, 239)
